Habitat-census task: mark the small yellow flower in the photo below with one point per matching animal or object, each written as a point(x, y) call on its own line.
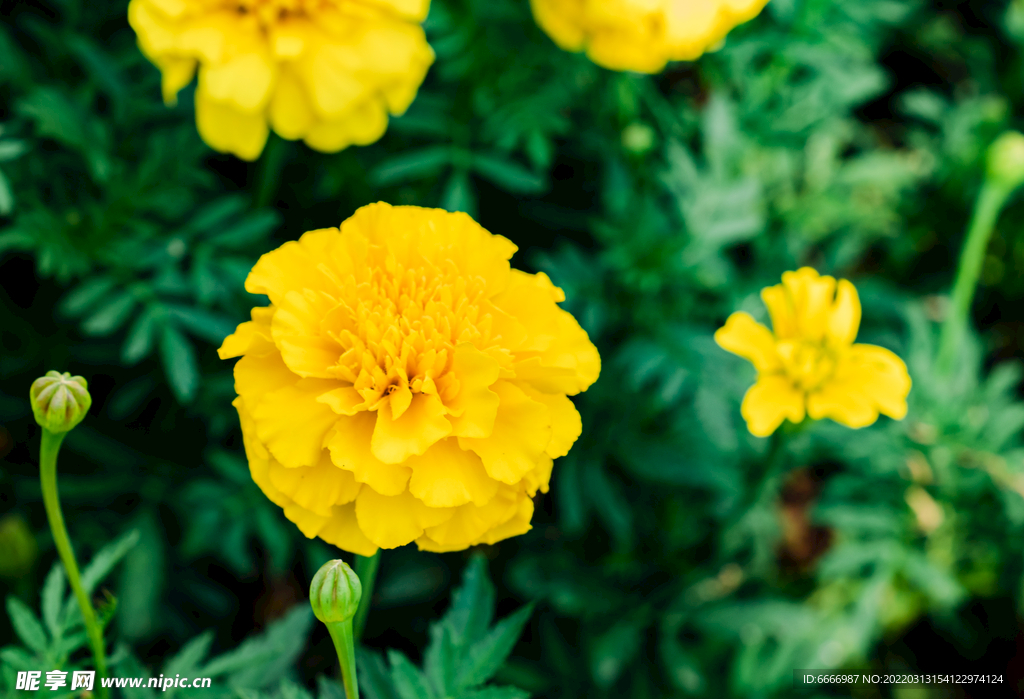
point(641, 35)
point(325, 71)
point(405, 383)
point(807, 364)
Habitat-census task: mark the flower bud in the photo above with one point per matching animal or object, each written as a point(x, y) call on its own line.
point(334, 593)
point(1006, 159)
point(59, 401)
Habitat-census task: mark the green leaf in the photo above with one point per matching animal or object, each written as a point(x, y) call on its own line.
point(86, 295)
point(439, 660)
point(407, 679)
point(190, 656)
point(26, 625)
point(208, 326)
point(107, 557)
point(217, 213)
point(496, 693)
point(373, 675)
point(11, 149)
point(110, 316)
point(52, 598)
point(180, 365)
point(138, 343)
point(487, 655)
point(249, 231)
point(6, 196)
point(472, 607)
point(263, 659)
point(329, 689)
point(411, 165)
point(458, 194)
point(507, 174)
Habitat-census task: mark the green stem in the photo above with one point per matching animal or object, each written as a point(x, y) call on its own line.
point(986, 210)
point(366, 571)
point(48, 478)
point(341, 634)
point(269, 177)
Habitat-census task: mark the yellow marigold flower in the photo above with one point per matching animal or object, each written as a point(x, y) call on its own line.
point(405, 384)
point(807, 364)
point(641, 35)
point(325, 71)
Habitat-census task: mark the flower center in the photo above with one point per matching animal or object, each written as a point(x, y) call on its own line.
point(808, 364)
point(269, 12)
point(398, 329)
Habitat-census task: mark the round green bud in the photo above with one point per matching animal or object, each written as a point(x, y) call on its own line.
point(59, 401)
point(638, 138)
point(1006, 159)
point(334, 593)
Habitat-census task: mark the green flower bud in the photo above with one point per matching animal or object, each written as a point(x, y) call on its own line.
point(334, 593)
point(60, 401)
point(638, 138)
point(18, 548)
point(1006, 159)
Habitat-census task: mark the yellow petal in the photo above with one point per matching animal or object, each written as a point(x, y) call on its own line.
point(392, 521)
point(244, 83)
point(228, 130)
point(293, 424)
point(350, 449)
point(175, 73)
point(812, 296)
point(517, 525)
point(566, 424)
point(470, 522)
point(251, 337)
point(770, 401)
point(844, 319)
point(344, 400)
point(780, 308)
point(296, 331)
point(869, 380)
point(538, 478)
point(447, 476)
point(258, 375)
point(413, 433)
point(522, 431)
point(309, 523)
point(362, 125)
point(316, 488)
point(301, 264)
point(343, 531)
point(744, 336)
point(258, 457)
point(475, 406)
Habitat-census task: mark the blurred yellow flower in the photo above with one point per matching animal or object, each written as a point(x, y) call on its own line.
point(325, 71)
point(807, 364)
point(641, 35)
point(405, 384)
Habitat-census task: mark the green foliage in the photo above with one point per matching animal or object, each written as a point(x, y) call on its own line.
point(465, 650)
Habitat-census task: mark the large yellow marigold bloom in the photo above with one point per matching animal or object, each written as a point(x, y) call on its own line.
point(641, 35)
point(325, 71)
point(405, 384)
point(807, 364)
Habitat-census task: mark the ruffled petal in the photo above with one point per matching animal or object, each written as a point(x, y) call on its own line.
point(393, 521)
point(566, 424)
point(770, 401)
point(418, 428)
point(869, 380)
point(474, 408)
point(467, 524)
point(301, 264)
point(522, 431)
point(844, 319)
point(343, 531)
point(350, 449)
point(228, 130)
point(812, 296)
point(252, 337)
point(316, 488)
point(447, 476)
point(293, 424)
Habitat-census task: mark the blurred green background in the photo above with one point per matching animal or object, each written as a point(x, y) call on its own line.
point(848, 136)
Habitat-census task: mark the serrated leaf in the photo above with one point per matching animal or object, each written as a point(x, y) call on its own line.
point(138, 343)
point(406, 678)
point(216, 213)
point(190, 656)
point(487, 655)
point(203, 324)
point(52, 598)
point(507, 174)
point(330, 689)
point(411, 165)
point(250, 230)
point(472, 606)
point(107, 557)
point(439, 660)
point(373, 675)
point(265, 658)
point(26, 625)
point(180, 365)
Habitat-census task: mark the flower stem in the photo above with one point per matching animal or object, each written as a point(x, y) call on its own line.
point(366, 570)
point(48, 478)
point(986, 210)
point(344, 644)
